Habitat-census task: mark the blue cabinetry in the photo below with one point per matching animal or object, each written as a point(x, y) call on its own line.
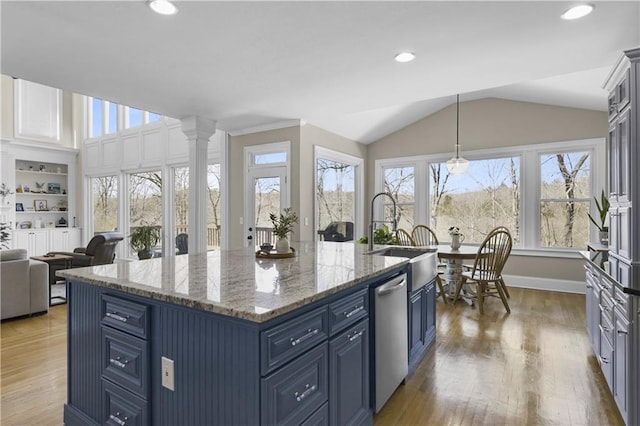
point(422, 323)
point(310, 366)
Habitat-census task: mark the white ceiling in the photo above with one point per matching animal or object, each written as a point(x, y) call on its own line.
point(329, 63)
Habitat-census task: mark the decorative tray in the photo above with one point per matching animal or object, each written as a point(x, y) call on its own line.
point(260, 254)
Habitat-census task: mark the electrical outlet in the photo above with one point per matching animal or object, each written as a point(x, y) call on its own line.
point(306, 221)
point(241, 220)
point(168, 379)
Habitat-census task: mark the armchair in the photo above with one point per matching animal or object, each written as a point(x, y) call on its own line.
point(101, 250)
point(337, 231)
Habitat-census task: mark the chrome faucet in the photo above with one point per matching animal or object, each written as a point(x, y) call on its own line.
point(394, 222)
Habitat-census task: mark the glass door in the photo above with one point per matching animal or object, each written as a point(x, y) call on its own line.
point(267, 195)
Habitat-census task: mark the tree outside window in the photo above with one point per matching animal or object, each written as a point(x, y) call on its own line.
point(400, 183)
point(104, 190)
point(565, 195)
point(335, 192)
point(485, 197)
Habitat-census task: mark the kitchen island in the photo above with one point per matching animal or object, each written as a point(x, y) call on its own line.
point(225, 338)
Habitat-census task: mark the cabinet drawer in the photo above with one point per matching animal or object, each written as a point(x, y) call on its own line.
point(125, 361)
point(606, 306)
point(288, 340)
point(122, 408)
point(125, 315)
point(621, 301)
point(348, 311)
point(319, 418)
point(606, 328)
point(606, 361)
point(293, 393)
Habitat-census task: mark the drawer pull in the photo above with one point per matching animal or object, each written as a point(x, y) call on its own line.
point(355, 311)
point(117, 317)
point(605, 329)
point(118, 363)
point(622, 332)
point(619, 301)
point(118, 420)
point(604, 360)
point(310, 333)
point(355, 336)
point(604, 308)
point(589, 286)
point(308, 391)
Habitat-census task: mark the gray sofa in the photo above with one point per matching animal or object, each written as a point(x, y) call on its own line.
point(24, 284)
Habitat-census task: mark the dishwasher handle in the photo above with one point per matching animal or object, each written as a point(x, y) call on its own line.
point(393, 285)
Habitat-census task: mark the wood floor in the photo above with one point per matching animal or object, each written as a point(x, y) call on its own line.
point(532, 367)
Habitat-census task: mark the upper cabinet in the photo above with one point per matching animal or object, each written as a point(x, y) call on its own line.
point(37, 112)
point(623, 85)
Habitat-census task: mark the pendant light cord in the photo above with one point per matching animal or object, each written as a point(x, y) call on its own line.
point(458, 126)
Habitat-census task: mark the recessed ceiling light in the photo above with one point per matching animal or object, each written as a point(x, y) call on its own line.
point(163, 7)
point(405, 57)
point(577, 12)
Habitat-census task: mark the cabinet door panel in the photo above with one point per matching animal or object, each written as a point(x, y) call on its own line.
point(416, 336)
point(624, 157)
point(430, 314)
point(614, 226)
point(624, 232)
point(621, 366)
point(40, 243)
point(613, 162)
point(349, 376)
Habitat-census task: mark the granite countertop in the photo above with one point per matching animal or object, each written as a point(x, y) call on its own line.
point(236, 284)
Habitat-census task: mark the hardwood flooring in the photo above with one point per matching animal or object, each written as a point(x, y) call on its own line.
point(532, 367)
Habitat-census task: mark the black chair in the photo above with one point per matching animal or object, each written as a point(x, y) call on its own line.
point(101, 250)
point(182, 243)
point(337, 231)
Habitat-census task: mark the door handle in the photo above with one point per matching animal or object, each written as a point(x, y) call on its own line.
point(392, 286)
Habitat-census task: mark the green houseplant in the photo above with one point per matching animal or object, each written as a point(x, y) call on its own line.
point(143, 238)
point(602, 206)
point(282, 227)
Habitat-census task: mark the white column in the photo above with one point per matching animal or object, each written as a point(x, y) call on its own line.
point(198, 131)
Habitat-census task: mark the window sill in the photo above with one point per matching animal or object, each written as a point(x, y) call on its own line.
point(547, 252)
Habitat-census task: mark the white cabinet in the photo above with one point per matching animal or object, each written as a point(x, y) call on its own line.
point(64, 239)
point(34, 241)
point(41, 241)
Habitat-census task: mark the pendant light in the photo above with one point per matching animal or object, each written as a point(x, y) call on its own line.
point(457, 165)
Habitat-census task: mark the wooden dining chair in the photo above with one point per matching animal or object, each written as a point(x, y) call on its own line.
point(504, 285)
point(424, 236)
point(486, 272)
point(404, 238)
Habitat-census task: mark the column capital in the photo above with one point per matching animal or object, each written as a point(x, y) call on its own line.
point(198, 128)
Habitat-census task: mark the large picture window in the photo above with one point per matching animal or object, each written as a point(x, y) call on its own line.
point(541, 193)
point(145, 201)
point(486, 196)
point(104, 192)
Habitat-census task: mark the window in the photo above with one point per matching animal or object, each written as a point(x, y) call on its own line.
point(214, 182)
point(153, 117)
point(97, 115)
point(181, 199)
point(400, 182)
point(112, 118)
point(338, 194)
point(541, 192)
point(145, 200)
point(335, 192)
point(270, 158)
point(486, 196)
point(133, 117)
point(565, 195)
point(104, 117)
point(104, 191)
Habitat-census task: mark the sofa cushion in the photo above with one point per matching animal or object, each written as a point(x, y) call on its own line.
point(14, 254)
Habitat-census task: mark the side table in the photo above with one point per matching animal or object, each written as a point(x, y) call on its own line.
point(54, 262)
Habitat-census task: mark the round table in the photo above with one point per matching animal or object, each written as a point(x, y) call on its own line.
point(453, 260)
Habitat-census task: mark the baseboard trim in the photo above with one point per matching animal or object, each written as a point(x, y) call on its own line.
point(548, 284)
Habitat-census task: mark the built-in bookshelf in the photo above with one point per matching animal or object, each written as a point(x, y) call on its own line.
point(41, 195)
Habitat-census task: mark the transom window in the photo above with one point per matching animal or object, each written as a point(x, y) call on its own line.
point(105, 117)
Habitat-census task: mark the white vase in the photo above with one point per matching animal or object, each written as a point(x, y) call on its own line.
point(456, 241)
point(282, 245)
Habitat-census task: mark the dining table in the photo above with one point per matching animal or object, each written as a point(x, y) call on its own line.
point(453, 260)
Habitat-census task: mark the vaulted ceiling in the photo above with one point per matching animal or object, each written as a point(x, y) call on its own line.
point(329, 63)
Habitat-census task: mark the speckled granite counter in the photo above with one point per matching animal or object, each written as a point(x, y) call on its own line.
point(235, 283)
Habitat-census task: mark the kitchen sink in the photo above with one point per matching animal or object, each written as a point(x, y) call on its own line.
point(423, 262)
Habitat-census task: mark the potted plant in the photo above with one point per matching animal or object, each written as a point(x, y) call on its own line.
point(143, 238)
point(382, 235)
point(282, 226)
point(603, 208)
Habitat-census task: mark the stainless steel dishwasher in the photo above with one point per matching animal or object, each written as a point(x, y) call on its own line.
point(391, 336)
